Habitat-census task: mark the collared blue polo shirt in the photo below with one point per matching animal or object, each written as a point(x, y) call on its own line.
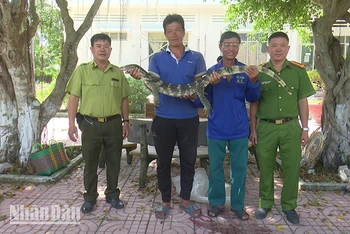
point(165, 66)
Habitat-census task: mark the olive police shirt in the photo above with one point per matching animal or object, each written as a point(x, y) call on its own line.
point(100, 92)
point(275, 102)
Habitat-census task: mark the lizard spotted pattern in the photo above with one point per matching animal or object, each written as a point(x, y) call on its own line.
point(178, 90)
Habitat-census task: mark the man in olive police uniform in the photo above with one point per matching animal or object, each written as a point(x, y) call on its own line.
point(279, 126)
point(103, 91)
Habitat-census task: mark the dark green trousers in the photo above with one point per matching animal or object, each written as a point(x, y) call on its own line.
point(287, 138)
point(238, 171)
point(94, 135)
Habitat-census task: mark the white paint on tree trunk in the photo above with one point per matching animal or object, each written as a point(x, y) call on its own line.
point(28, 131)
point(342, 117)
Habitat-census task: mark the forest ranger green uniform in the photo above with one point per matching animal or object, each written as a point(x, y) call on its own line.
point(100, 93)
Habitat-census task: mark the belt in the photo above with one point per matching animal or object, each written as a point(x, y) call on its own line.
point(280, 121)
point(103, 119)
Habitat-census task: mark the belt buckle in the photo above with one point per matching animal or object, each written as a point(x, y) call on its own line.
point(101, 120)
point(279, 121)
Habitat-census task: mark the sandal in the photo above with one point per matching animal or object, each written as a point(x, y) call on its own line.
point(161, 212)
point(191, 209)
point(215, 211)
point(242, 214)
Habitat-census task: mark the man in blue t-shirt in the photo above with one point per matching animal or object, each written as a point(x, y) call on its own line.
point(176, 119)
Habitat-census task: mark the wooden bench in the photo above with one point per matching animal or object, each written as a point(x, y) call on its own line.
point(148, 154)
point(128, 146)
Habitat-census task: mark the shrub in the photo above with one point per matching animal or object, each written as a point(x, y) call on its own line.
point(43, 90)
point(316, 80)
point(138, 97)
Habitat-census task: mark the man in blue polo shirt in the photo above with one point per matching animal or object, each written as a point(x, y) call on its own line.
point(176, 119)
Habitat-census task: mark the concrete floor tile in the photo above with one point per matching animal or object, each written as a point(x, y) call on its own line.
point(320, 212)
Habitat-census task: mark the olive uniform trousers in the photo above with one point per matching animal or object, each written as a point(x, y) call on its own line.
point(287, 137)
point(94, 135)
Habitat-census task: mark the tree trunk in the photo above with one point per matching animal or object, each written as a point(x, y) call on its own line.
point(22, 117)
point(19, 110)
point(334, 71)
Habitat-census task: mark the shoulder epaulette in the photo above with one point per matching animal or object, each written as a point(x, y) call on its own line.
point(298, 64)
point(83, 64)
point(263, 65)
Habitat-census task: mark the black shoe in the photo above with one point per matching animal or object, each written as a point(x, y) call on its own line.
point(115, 202)
point(261, 213)
point(292, 216)
point(87, 206)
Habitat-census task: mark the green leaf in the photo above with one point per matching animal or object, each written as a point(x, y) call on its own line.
point(267, 16)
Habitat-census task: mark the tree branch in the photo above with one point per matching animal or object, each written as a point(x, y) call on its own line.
point(88, 19)
point(324, 4)
point(2, 19)
point(67, 20)
point(31, 24)
point(338, 8)
point(18, 11)
point(318, 2)
point(338, 65)
point(346, 17)
point(69, 57)
point(336, 54)
point(35, 20)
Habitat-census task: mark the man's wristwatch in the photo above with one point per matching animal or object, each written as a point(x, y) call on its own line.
point(306, 129)
point(125, 120)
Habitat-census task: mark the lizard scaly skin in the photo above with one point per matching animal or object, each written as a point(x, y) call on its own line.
point(178, 90)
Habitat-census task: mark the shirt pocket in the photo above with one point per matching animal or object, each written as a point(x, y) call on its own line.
point(116, 88)
point(266, 86)
point(90, 87)
point(239, 86)
point(115, 83)
point(293, 85)
point(90, 82)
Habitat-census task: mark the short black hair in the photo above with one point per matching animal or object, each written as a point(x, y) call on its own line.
point(219, 58)
point(171, 18)
point(229, 34)
point(278, 34)
point(100, 37)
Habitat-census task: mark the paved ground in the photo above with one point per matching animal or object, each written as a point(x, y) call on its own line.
point(320, 212)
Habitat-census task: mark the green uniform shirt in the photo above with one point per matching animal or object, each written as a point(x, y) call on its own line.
point(275, 102)
point(100, 92)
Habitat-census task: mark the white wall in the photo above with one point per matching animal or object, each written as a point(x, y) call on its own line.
point(203, 34)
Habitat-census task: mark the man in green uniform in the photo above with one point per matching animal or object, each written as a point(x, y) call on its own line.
point(103, 91)
point(279, 126)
